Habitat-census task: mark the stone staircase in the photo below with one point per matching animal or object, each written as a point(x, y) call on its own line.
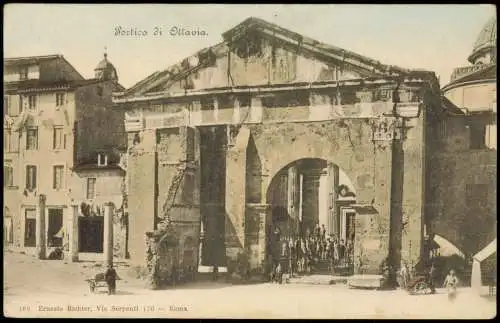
point(322, 267)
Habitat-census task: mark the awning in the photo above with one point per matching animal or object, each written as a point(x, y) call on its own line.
point(487, 251)
point(447, 248)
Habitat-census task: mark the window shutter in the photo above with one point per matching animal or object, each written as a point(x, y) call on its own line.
point(34, 177)
point(28, 177)
point(5, 172)
point(20, 103)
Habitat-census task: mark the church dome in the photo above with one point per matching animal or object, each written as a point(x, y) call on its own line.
point(485, 41)
point(105, 70)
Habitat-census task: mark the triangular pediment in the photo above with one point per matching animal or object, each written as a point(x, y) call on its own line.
point(260, 53)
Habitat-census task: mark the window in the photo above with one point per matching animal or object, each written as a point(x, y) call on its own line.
point(58, 177)
point(32, 139)
point(207, 104)
point(21, 103)
point(8, 176)
point(32, 102)
point(477, 136)
point(102, 160)
point(23, 73)
point(30, 228)
point(11, 109)
point(30, 177)
point(11, 141)
point(59, 138)
point(245, 101)
point(59, 99)
point(91, 188)
point(6, 105)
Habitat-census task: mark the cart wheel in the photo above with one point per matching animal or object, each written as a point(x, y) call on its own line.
point(420, 288)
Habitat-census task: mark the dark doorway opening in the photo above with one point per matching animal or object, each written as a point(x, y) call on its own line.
point(30, 228)
point(91, 234)
point(54, 233)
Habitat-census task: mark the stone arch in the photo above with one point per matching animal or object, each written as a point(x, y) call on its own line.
point(290, 158)
point(311, 203)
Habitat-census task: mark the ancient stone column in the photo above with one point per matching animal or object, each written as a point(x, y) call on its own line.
point(108, 233)
point(202, 241)
point(333, 183)
point(292, 198)
point(41, 232)
point(73, 233)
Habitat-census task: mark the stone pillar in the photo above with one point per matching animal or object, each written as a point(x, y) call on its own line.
point(235, 204)
point(202, 241)
point(41, 232)
point(108, 233)
point(236, 111)
point(256, 110)
point(262, 235)
point(292, 198)
point(333, 183)
point(73, 233)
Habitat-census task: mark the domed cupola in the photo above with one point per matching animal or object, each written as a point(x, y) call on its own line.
point(105, 70)
point(485, 47)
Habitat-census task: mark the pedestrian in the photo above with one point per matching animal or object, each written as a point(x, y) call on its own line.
point(110, 278)
point(432, 278)
point(403, 276)
point(342, 251)
point(317, 232)
point(291, 256)
point(450, 283)
point(323, 232)
point(336, 252)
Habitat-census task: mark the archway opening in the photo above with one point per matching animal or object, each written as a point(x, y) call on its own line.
point(311, 203)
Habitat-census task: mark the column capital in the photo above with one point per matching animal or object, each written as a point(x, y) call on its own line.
point(111, 204)
point(42, 198)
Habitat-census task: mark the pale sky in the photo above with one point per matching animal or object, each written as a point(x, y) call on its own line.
point(432, 37)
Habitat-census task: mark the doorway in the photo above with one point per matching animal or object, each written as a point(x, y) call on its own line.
point(55, 229)
point(30, 228)
point(91, 234)
point(347, 224)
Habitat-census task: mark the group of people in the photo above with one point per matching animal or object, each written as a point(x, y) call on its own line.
point(405, 274)
point(302, 254)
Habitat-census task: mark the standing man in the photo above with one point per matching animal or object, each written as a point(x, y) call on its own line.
point(432, 278)
point(110, 278)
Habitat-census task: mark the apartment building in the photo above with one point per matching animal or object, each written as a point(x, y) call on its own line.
point(56, 126)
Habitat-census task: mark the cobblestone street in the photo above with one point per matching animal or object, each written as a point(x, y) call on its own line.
point(56, 289)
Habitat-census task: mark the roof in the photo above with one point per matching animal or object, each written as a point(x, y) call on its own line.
point(487, 251)
point(476, 73)
point(366, 66)
point(38, 85)
point(29, 60)
point(487, 38)
point(450, 107)
point(262, 25)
